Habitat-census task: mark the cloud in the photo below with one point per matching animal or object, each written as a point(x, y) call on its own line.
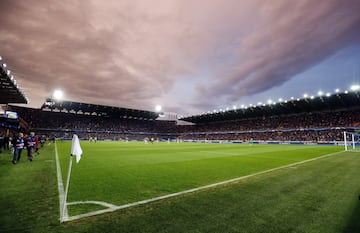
point(136, 53)
point(289, 38)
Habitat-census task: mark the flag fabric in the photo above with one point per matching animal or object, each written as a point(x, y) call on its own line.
point(75, 148)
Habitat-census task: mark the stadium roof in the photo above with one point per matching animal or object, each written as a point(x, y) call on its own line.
point(94, 109)
point(335, 102)
point(9, 90)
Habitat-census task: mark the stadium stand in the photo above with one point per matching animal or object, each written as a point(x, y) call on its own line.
point(9, 89)
point(332, 103)
point(10, 92)
point(322, 119)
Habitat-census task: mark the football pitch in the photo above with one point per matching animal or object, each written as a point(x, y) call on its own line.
point(122, 173)
point(261, 188)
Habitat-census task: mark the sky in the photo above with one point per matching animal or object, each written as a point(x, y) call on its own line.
point(188, 56)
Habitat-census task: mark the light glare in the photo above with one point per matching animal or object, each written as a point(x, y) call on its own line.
point(355, 87)
point(58, 94)
point(158, 108)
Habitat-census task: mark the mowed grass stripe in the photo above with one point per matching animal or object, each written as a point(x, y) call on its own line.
point(321, 196)
point(121, 177)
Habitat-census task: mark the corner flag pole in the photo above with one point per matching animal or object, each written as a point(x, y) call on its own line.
point(64, 209)
point(77, 151)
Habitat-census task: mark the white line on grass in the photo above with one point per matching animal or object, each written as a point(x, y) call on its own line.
point(113, 208)
point(60, 187)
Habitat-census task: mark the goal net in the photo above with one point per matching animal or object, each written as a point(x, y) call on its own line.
point(351, 141)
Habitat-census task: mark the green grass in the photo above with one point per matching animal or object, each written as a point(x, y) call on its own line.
point(319, 196)
point(121, 173)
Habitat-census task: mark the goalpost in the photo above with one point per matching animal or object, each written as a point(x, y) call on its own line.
point(351, 141)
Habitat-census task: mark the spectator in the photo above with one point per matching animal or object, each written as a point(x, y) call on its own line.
point(30, 145)
point(18, 143)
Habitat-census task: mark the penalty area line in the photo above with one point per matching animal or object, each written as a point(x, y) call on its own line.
point(113, 208)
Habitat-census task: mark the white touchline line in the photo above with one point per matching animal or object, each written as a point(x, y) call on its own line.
point(114, 208)
point(60, 186)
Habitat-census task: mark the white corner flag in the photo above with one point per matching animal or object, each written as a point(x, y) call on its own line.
point(75, 148)
point(77, 151)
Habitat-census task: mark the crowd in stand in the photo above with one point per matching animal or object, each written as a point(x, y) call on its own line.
point(68, 121)
point(297, 135)
point(296, 121)
point(315, 126)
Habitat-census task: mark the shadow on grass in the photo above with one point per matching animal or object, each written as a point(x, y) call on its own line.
point(354, 221)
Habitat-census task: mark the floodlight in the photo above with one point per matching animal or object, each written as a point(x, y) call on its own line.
point(306, 95)
point(280, 99)
point(8, 72)
point(269, 101)
point(346, 92)
point(0, 58)
point(312, 97)
point(320, 93)
point(4, 65)
point(328, 94)
point(259, 103)
point(12, 77)
point(158, 108)
point(337, 90)
point(234, 107)
point(242, 106)
point(355, 87)
point(227, 108)
point(58, 94)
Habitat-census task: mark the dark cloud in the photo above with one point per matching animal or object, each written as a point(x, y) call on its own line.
point(138, 53)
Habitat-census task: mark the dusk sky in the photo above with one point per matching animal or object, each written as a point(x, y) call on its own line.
point(190, 56)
